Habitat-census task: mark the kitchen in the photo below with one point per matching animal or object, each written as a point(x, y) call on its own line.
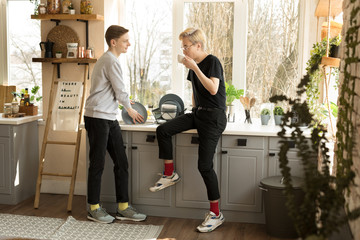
point(62, 157)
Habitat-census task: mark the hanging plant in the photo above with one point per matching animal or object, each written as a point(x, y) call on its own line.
point(319, 110)
point(317, 217)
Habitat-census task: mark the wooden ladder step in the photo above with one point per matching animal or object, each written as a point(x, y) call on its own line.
point(61, 143)
point(56, 174)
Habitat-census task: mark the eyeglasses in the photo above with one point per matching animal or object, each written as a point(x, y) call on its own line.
point(184, 48)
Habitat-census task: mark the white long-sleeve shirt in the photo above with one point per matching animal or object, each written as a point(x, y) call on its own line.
point(107, 89)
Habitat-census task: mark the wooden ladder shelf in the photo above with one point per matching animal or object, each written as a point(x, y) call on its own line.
point(75, 143)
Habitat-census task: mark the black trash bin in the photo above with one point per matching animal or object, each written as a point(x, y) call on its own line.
point(278, 223)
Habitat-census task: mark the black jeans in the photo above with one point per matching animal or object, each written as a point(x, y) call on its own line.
point(106, 135)
point(209, 125)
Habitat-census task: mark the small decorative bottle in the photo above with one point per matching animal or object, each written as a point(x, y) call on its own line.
point(15, 104)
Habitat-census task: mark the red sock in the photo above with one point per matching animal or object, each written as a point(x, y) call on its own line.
point(169, 169)
point(214, 207)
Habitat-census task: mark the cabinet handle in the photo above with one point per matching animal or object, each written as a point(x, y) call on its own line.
point(150, 138)
point(224, 152)
point(134, 147)
point(291, 144)
point(194, 140)
point(272, 154)
point(241, 142)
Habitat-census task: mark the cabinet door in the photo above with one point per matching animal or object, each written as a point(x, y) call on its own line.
point(145, 168)
point(191, 190)
point(295, 164)
point(5, 164)
point(241, 173)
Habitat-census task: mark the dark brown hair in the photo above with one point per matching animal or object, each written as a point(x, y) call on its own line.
point(114, 32)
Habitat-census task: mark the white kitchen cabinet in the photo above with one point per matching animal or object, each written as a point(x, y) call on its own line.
point(242, 168)
point(295, 162)
point(19, 159)
point(191, 190)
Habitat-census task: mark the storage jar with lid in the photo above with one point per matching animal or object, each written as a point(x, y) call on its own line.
point(86, 7)
point(7, 109)
point(42, 8)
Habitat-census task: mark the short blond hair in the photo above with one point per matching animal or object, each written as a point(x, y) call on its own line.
point(195, 35)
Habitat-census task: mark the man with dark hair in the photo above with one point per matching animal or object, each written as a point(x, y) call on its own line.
point(104, 133)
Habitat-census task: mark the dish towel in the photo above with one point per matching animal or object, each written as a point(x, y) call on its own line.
point(65, 116)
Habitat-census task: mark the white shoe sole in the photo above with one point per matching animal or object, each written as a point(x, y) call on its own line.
point(96, 220)
point(129, 219)
point(155, 189)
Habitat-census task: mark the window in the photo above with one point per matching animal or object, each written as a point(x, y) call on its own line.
point(257, 42)
point(23, 36)
point(272, 65)
point(149, 56)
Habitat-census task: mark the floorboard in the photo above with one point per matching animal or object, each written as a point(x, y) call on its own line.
point(54, 205)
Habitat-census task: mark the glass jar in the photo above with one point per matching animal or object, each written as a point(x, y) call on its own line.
point(65, 6)
point(14, 108)
point(86, 7)
point(7, 109)
point(42, 8)
point(53, 6)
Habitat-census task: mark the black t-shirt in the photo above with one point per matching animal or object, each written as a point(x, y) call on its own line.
point(211, 67)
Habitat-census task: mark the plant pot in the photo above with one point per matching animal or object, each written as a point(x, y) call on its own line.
point(72, 11)
point(58, 55)
point(265, 119)
point(278, 119)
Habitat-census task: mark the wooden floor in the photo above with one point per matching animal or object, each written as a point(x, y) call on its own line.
point(54, 205)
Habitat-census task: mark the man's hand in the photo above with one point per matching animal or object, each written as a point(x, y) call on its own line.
point(135, 115)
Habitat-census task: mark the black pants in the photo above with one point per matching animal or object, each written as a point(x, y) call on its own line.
point(106, 135)
point(209, 125)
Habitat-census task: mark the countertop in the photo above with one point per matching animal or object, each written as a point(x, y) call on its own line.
point(18, 121)
point(236, 128)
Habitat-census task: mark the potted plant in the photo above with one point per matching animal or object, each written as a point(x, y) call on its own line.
point(71, 9)
point(58, 54)
point(278, 114)
point(231, 94)
point(265, 116)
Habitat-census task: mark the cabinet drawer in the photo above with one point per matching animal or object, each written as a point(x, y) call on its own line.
point(4, 131)
point(187, 140)
point(243, 142)
point(144, 138)
point(274, 144)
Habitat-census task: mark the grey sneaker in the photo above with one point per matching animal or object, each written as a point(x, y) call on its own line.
point(130, 214)
point(165, 181)
point(100, 215)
